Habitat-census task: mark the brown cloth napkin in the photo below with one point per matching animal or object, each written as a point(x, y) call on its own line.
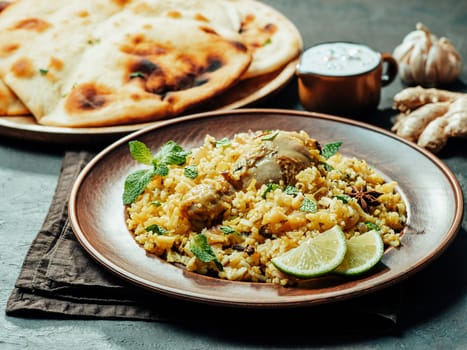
point(59, 279)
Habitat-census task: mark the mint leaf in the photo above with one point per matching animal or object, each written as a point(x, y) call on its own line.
point(157, 229)
point(326, 166)
point(270, 187)
point(171, 153)
point(291, 190)
point(270, 136)
point(330, 149)
point(224, 142)
point(135, 183)
point(372, 226)
point(161, 169)
point(191, 171)
point(343, 197)
point(140, 152)
point(228, 230)
point(137, 75)
point(309, 205)
point(200, 247)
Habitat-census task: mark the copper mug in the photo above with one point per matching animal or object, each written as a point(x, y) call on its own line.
point(343, 78)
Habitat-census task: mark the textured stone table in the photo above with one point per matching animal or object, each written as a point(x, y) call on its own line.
point(436, 297)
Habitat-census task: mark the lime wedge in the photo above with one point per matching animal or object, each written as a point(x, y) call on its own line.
point(314, 257)
point(363, 252)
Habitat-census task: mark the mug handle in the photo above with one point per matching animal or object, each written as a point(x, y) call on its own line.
point(391, 68)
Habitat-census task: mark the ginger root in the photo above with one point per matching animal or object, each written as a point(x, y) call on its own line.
point(430, 117)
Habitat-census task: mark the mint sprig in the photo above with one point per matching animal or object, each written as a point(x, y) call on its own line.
point(191, 172)
point(270, 136)
point(309, 205)
point(228, 230)
point(135, 183)
point(372, 226)
point(343, 197)
point(156, 229)
point(330, 149)
point(224, 142)
point(200, 247)
point(291, 190)
point(140, 152)
point(269, 188)
point(169, 154)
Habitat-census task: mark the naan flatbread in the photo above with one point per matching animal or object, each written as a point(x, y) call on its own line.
point(271, 38)
point(137, 72)
point(41, 41)
point(81, 63)
point(118, 66)
point(10, 104)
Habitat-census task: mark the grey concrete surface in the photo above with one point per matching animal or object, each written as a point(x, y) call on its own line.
point(435, 310)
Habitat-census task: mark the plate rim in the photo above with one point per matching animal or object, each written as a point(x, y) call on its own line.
point(173, 292)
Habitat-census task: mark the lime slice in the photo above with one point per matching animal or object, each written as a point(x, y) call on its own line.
point(363, 252)
point(314, 257)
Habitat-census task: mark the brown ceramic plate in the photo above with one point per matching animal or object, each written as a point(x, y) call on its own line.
point(433, 195)
point(246, 93)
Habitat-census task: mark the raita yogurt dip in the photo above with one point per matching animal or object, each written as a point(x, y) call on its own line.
point(338, 59)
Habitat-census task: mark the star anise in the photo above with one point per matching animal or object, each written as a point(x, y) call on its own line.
point(364, 197)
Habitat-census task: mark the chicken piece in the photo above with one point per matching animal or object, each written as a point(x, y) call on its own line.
point(204, 205)
point(280, 158)
point(293, 155)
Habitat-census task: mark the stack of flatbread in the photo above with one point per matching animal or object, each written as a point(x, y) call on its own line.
point(83, 63)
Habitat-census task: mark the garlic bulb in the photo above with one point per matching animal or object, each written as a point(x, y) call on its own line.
point(426, 60)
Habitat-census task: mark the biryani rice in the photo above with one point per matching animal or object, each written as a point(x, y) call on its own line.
point(265, 223)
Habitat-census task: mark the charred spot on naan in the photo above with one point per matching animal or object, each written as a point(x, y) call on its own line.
point(174, 14)
point(23, 67)
point(83, 14)
point(32, 24)
point(4, 5)
point(8, 49)
point(56, 63)
point(87, 97)
point(200, 17)
point(160, 80)
point(121, 3)
point(208, 30)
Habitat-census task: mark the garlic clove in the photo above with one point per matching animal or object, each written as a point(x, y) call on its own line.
point(426, 60)
point(403, 50)
point(433, 64)
point(453, 64)
point(417, 64)
point(406, 71)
